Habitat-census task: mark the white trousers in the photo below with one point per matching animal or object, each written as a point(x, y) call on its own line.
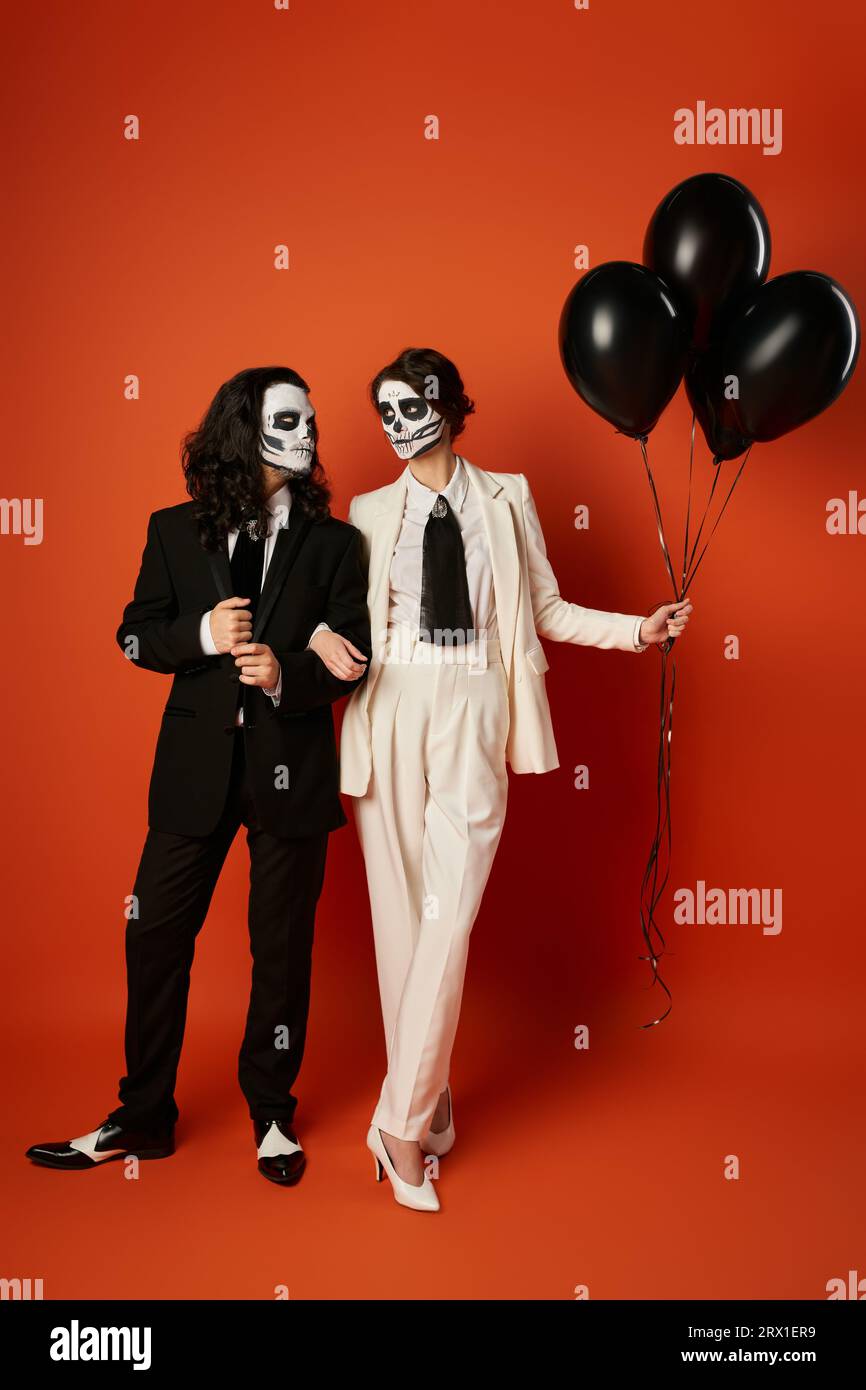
point(429, 827)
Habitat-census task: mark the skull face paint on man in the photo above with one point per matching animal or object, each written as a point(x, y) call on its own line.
point(288, 438)
point(409, 421)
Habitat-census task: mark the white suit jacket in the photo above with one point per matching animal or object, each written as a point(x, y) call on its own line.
point(528, 605)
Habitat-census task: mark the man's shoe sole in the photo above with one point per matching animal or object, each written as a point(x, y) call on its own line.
point(145, 1154)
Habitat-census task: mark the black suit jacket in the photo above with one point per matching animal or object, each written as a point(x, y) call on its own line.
point(315, 575)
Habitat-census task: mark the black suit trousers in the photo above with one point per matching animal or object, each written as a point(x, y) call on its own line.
point(174, 885)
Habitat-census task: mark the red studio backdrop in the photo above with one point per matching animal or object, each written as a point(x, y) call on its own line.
point(600, 1167)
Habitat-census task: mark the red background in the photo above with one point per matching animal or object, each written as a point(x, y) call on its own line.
point(155, 257)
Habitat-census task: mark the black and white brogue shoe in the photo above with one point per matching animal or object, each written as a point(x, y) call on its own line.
point(101, 1145)
point(281, 1158)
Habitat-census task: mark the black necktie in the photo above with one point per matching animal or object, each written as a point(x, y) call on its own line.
point(446, 610)
point(246, 564)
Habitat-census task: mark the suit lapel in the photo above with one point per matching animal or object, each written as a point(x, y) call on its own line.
point(389, 519)
point(220, 569)
point(286, 547)
point(504, 559)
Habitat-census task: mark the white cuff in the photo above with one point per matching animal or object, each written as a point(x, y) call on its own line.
point(639, 646)
point(208, 645)
point(275, 691)
point(323, 627)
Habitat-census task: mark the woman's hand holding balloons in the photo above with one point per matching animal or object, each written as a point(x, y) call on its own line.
point(666, 622)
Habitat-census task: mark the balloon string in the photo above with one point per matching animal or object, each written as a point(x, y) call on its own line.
point(663, 823)
point(657, 872)
point(688, 503)
point(716, 476)
point(654, 880)
point(652, 889)
point(693, 571)
point(660, 524)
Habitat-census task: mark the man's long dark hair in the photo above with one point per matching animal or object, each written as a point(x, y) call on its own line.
point(222, 460)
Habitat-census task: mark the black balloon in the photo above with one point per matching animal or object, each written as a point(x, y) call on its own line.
point(792, 350)
point(716, 414)
point(623, 344)
point(709, 240)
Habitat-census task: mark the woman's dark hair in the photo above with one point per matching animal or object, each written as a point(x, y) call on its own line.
point(434, 377)
point(222, 460)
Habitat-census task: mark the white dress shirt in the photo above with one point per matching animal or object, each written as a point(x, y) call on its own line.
point(404, 607)
point(407, 561)
point(279, 505)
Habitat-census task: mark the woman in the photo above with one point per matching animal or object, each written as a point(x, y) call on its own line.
point(460, 590)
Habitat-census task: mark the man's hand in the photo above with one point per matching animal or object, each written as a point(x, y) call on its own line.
point(668, 620)
point(337, 653)
point(230, 624)
point(257, 664)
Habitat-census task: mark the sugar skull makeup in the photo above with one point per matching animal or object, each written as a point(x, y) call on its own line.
point(288, 433)
point(409, 421)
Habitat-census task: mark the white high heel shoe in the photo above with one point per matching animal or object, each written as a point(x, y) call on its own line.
point(421, 1198)
point(439, 1142)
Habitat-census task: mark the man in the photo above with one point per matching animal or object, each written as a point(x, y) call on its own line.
point(233, 588)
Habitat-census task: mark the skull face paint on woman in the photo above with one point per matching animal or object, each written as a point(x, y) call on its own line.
point(409, 421)
point(288, 435)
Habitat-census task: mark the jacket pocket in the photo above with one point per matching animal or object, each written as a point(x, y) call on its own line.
point(537, 660)
point(180, 711)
